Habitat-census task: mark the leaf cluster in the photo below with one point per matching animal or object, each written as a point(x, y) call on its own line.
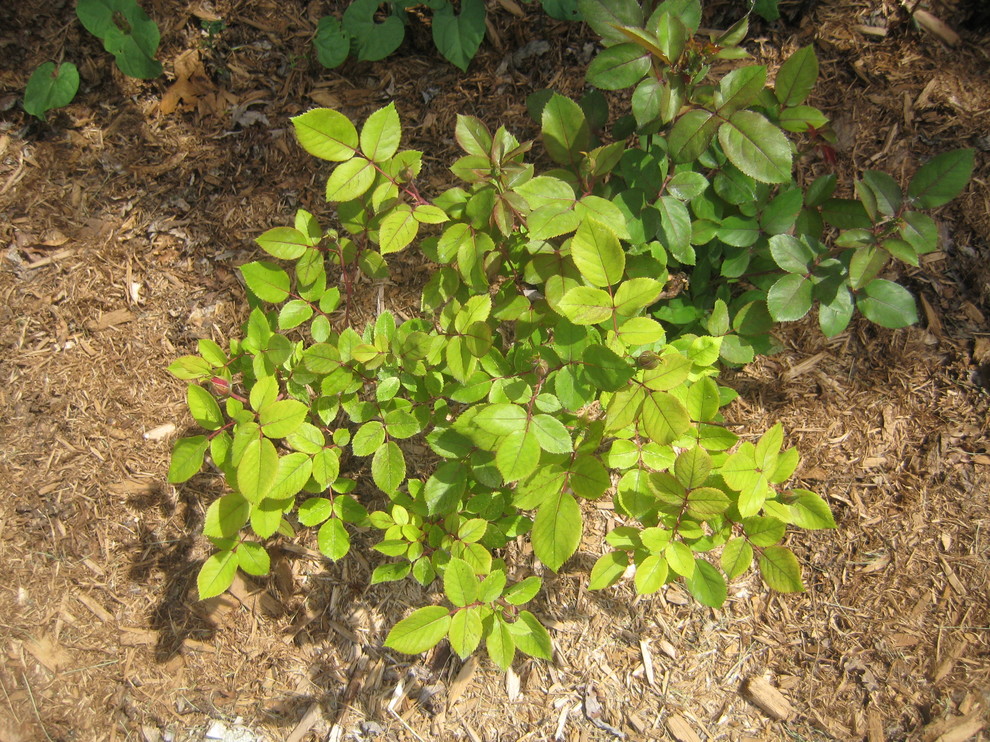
point(126, 32)
point(550, 364)
point(362, 32)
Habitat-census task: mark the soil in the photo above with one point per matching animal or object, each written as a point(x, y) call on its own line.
point(123, 219)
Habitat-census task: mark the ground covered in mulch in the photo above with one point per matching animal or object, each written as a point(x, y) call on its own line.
point(122, 222)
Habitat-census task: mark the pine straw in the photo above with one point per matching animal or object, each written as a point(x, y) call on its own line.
point(124, 229)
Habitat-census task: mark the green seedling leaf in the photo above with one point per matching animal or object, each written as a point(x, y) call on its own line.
point(887, 303)
point(50, 87)
point(767, 9)
point(459, 35)
point(375, 40)
point(126, 31)
point(420, 631)
point(562, 10)
point(216, 574)
point(332, 42)
point(398, 229)
point(780, 569)
point(756, 147)
point(796, 77)
point(326, 134)
point(187, 458)
point(941, 179)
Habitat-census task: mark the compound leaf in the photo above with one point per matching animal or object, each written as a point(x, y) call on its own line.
point(597, 253)
point(530, 636)
point(187, 458)
point(557, 530)
point(796, 77)
point(422, 630)
point(887, 303)
point(607, 570)
point(266, 281)
point(333, 539)
point(326, 134)
point(756, 147)
point(465, 631)
point(216, 574)
point(707, 584)
point(941, 179)
point(388, 467)
point(381, 133)
point(780, 569)
point(565, 130)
